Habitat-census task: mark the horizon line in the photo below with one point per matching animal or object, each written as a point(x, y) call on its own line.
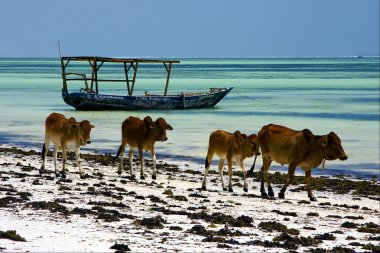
point(201, 57)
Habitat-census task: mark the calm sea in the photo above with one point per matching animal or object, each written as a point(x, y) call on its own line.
point(322, 94)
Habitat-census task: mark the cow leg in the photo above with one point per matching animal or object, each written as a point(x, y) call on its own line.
point(154, 174)
point(245, 176)
point(141, 163)
point(55, 154)
point(229, 161)
point(121, 152)
point(264, 177)
point(291, 170)
point(64, 159)
point(221, 165)
point(79, 163)
point(130, 158)
point(207, 167)
point(45, 149)
point(308, 186)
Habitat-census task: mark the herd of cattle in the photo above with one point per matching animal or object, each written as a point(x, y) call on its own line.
point(277, 143)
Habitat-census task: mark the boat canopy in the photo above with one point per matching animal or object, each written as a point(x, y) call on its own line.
point(97, 62)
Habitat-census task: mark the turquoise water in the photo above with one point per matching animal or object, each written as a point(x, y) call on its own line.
point(322, 94)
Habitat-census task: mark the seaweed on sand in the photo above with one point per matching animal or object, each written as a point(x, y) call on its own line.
point(11, 235)
point(52, 206)
point(151, 223)
point(120, 247)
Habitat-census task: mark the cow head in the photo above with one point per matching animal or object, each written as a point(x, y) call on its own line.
point(333, 147)
point(249, 143)
point(84, 130)
point(159, 128)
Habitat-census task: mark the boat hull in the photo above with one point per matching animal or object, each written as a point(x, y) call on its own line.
point(91, 101)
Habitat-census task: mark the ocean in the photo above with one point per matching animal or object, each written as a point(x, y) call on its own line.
point(321, 94)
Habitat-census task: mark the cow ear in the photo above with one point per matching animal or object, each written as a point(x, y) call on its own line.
point(239, 137)
point(72, 120)
point(308, 135)
point(324, 140)
point(237, 133)
point(169, 127)
point(92, 126)
point(148, 120)
point(333, 136)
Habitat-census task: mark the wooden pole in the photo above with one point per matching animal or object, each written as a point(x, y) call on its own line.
point(92, 77)
point(96, 77)
point(63, 75)
point(134, 78)
point(126, 77)
point(167, 79)
point(85, 81)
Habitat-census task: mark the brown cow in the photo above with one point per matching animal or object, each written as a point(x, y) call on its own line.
point(141, 134)
point(233, 147)
point(65, 134)
point(296, 148)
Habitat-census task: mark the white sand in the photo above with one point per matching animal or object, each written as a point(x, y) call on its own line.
point(53, 232)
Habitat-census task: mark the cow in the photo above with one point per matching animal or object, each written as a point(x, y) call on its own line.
point(234, 147)
point(65, 134)
point(295, 148)
point(141, 134)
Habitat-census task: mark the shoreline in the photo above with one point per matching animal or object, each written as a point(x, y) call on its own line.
point(337, 171)
point(172, 213)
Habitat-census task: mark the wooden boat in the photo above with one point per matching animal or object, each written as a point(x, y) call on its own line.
point(89, 98)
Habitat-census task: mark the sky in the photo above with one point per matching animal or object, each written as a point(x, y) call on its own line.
point(189, 28)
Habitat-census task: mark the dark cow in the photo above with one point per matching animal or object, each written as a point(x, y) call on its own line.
point(141, 134)
point(296, 148)
point(65, 134)
point(234, 147)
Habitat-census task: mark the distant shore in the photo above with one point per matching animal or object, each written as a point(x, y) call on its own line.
point(106, 212)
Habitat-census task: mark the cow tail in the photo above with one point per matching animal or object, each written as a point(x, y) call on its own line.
point(207, 164)
point(118, 152)
point(43, 151)
point(250, 172)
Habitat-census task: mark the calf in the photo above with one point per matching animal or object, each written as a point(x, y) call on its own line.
point(141, 134)
point(233, 147)
point(296, 148)
point(65, 134)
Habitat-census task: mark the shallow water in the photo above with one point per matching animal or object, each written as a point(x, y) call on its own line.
point(322, 94)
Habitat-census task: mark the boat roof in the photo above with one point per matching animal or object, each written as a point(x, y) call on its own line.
point(117, 59)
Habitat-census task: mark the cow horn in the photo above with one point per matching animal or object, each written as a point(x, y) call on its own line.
point(323, 165)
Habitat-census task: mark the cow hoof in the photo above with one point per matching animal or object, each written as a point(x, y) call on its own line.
point(154, 177)
point(133, 177)
point(82, 177)
point(230, 190)
point(41, 171)
point(204, 187)
point(63, 176)
point(142, 177)
point(224, 188)
point(264, 195)
point(57, 175)
point(281, 195)
point(119, 172)
point(271, 194)
point(245, 189)
point(312, 198)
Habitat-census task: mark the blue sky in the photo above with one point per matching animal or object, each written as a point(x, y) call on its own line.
point(189, 28)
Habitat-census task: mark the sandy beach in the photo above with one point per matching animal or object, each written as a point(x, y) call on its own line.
point(110, 213)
